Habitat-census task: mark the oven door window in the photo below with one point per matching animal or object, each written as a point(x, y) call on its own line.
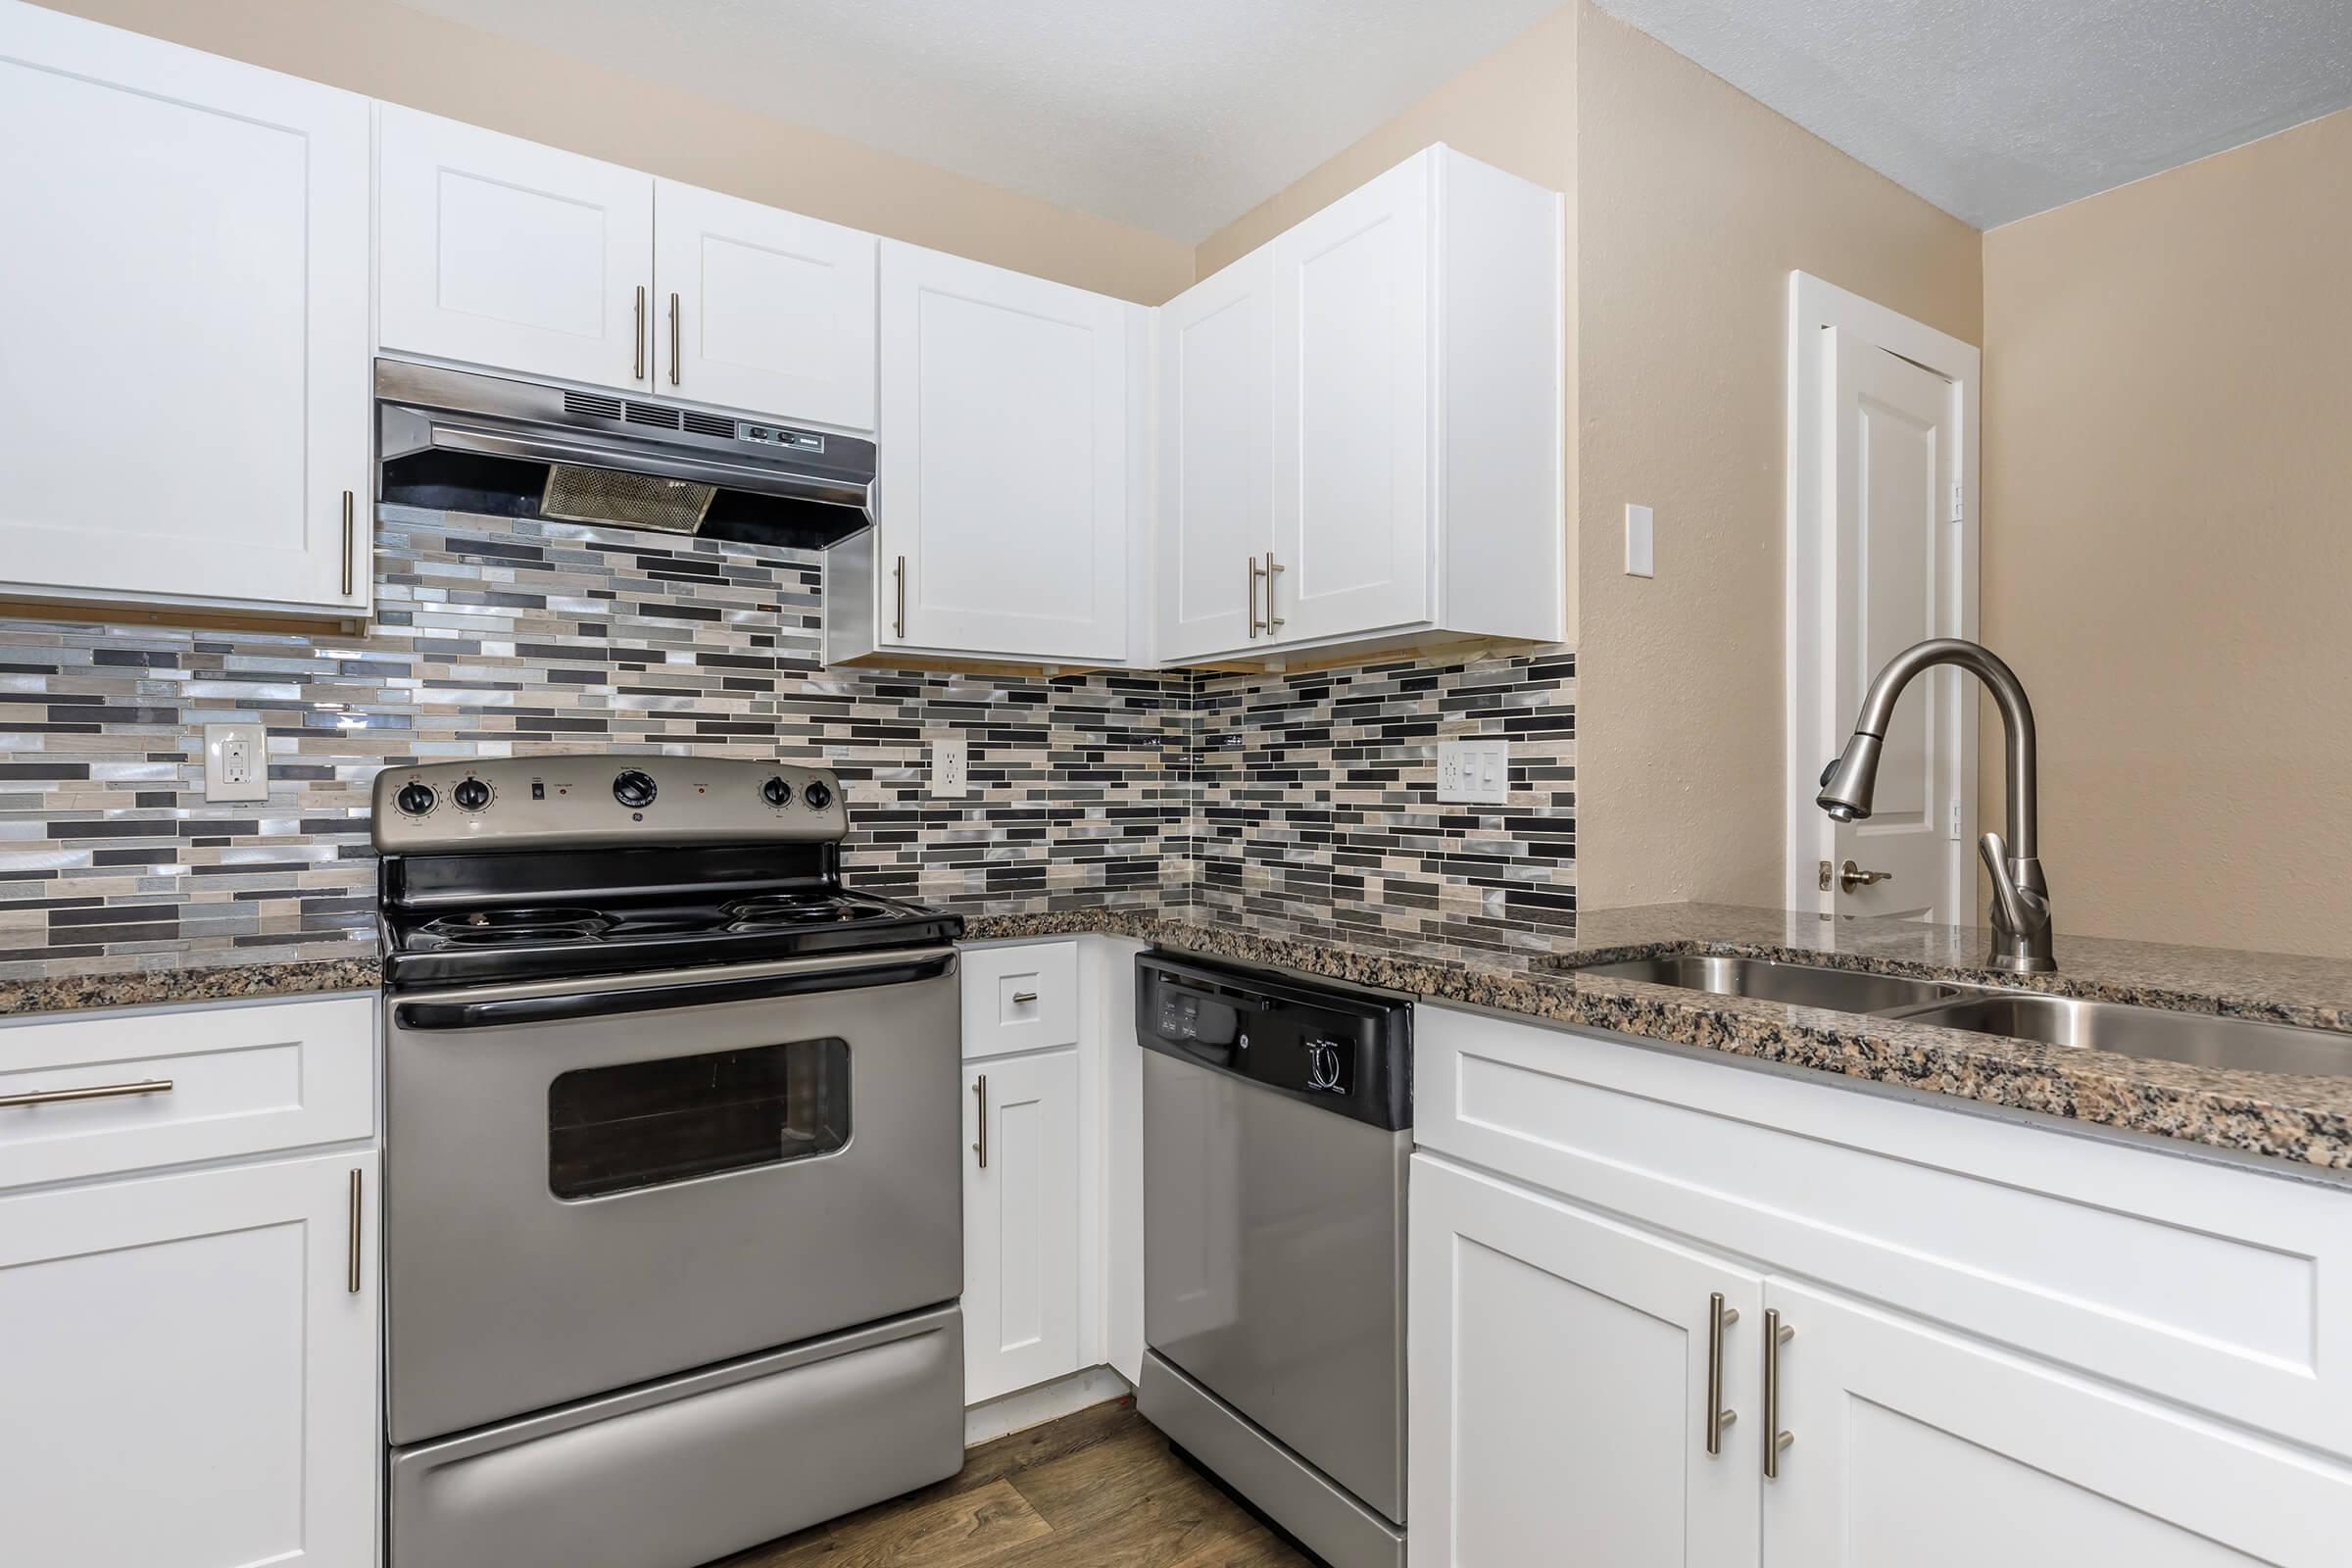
point(647, 1123)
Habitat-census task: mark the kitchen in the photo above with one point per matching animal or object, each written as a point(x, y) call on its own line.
point(877, 664)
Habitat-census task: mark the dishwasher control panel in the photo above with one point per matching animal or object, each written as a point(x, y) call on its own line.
point(1349, 1051)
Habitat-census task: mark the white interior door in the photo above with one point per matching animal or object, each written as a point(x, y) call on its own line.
point(1003, 482)
point(190, 1377)
point(500, 252)
point(1558, 1368)
point(764, 310)
point(1020, 1226)
point(1917, 1447)
point(1900, 539)
point(1353, 345)
point(184, 391)
point(1216, 434)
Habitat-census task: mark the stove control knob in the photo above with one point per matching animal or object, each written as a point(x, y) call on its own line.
point(472, 794)
point(633, 789)
point(416, 799)
point(818, 795)
point(776, 792)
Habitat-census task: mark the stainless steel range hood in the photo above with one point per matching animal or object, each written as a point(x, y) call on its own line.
point(461, 440)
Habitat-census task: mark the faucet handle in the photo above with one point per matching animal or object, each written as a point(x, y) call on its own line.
point(2020, 912)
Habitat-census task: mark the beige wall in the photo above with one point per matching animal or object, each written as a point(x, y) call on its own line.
point(1696, 202)
point(408, 56)
point(2168, 542)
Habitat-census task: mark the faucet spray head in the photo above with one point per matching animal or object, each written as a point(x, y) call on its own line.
point(1848, 783)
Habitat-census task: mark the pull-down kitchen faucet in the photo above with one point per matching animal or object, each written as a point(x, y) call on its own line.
point(2021, 899)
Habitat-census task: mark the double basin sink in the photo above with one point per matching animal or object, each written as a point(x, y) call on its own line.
point(2203, 1039)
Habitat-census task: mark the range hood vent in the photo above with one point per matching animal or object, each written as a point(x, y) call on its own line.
point(459, 440)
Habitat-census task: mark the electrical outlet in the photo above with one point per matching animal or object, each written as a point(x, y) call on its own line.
point(950, 773)
point(236, 763)
point(1475, 772)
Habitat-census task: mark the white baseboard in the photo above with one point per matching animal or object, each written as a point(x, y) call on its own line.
point(1048, 1401)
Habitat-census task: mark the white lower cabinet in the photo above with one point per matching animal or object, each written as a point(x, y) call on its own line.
point(192, 1369)
point(1913, 1446)
point(1559, 1385)
point(1999, 1343)
point(1022, 1281)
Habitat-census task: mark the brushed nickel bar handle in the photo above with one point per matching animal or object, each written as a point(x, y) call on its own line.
point(1776, 1335)
point(637, 344)
point(347, 544)
point(351, 1276)
point(1023, 997)
point(1719, 1318)
point(901, 619)
point(1274, 569)
point(1256, 573)
point(60, 1096)
point(980, 1090)
point(673, 339)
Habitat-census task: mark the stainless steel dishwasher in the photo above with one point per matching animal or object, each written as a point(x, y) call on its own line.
point(1277, 1132)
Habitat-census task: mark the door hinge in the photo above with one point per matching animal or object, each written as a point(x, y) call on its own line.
point(1959, 503)
point(1955, 832)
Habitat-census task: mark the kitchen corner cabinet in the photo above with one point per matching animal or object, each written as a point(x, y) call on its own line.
point(1997, 1342)
point(1005, 503)
point(1021, 1225)
point(1362, 427)
point(192, 1376)
point(503, 253)
point(185, 398)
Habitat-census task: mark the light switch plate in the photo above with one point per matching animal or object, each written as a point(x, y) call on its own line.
point(1641, 559)
point(1475, 772)
point(236, 763)
point(950, 772)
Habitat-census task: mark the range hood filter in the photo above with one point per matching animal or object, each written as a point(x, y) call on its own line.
point(630, 500)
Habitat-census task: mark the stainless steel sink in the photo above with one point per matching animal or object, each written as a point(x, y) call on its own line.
point(1801, 985)
point(2202, 1039)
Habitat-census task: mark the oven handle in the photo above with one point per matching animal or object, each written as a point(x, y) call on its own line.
point(572, 1007)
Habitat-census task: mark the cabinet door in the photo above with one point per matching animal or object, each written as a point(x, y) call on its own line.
point(1560, 1386)
point(1914, 1447)
point(184, 395)
point(1352, 508)
point(1020, 1223)
point(192, 1381)
point(762, 310)
point(1216, 454)
point(1001, 498)
point(500, 252)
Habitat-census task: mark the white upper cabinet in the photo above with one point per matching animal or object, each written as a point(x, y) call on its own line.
point(1411, 433)
point(763, 309)
point(1003, 503)
point(1216, 450)
point(184, 395)
point(1352, 518)
point(500, 252)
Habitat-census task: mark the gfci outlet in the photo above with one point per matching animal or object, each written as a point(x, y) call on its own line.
point(236, 763)
point(1475, 772)
point(949, 773)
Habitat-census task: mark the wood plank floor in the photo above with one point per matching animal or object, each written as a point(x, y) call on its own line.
point(1095, 1490)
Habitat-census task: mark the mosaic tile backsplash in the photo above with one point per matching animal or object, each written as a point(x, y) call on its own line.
point(497, 637)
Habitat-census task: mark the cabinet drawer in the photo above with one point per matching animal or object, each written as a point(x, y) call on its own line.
point(2225, 1289)
point(201, 1084)
point(1019, 998)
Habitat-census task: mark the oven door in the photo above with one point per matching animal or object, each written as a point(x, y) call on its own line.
point(592, 1183)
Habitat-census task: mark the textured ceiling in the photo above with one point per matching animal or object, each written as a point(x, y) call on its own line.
point(1176, 115)
point(1997, 108)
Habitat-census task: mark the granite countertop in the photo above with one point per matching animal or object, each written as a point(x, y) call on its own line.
point(1451, 952)
point(1526, 967)
point(331, 955)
